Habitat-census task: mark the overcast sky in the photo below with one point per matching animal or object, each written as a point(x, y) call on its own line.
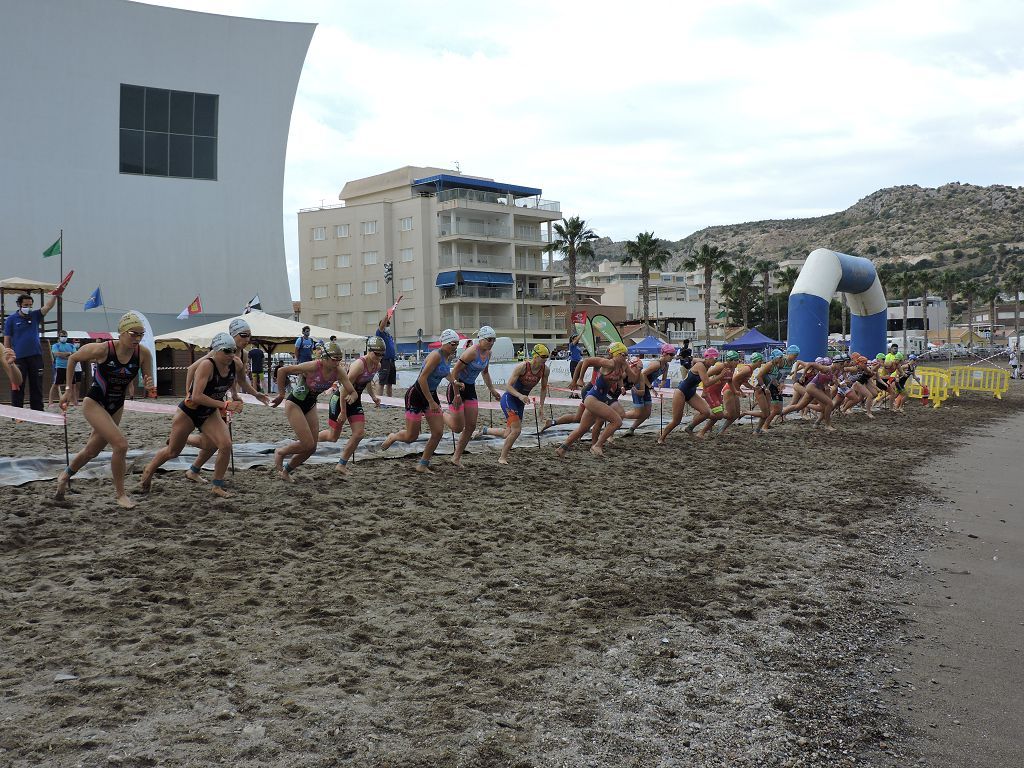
point(664, 117)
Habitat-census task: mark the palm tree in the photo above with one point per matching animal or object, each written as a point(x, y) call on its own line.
point(741, 283)
point(766, 267)
point(574, 240)
point(969, 291)
point(1014, 283)
point(990, 295)
point(648, 252)
point(786, 279)
point(948, 285)
point(710, 259)
point(925, 282)
point(904, 284)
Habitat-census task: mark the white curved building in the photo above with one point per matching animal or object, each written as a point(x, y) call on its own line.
point(156, 139)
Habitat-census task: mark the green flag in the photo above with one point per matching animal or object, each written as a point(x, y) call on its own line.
point(606, 328)
point(720, 315)
point(53, 250)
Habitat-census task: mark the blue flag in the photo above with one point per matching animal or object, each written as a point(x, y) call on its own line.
point(94, 300)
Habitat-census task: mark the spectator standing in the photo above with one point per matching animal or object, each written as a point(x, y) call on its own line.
point(304, 347)
point(256, 367)
point(21, 333)
point(1014, 362)
point(388, 375)
point(686, 355)
point(575, 353)
point(61, 351)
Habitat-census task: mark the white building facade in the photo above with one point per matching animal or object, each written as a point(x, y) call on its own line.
point(464, 251)
point(155, 138)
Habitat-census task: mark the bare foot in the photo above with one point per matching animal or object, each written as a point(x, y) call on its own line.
point(560, 452)
point(388, 441)
point(219, 490)
point(278, 460)
point(456, 462)
point(62, 485)
point(286, 476)
point(503, 460)
point(597, 450)
point(145, 482)
point(870, 415)
point(829, 428)
point(424, 469)
point(342, 470)
point(126, 502)
point(195, 477)
point(661, 440)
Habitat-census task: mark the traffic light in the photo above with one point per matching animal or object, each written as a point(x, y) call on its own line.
point(389, 271)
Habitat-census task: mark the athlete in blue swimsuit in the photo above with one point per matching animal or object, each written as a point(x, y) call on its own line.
point(463, 407)
point(521, 383)
point(686, 393)
point(117, 365)
point(421, 400)
point(601, 403)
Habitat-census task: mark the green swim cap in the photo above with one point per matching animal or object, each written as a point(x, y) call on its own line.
point(732, 355)
point(880, 356)
point(757, 357)
point(900, 356)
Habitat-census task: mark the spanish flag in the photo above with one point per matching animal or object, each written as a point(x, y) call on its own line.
point(192, 309)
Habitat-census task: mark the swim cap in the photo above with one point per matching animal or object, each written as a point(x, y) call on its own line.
point(618, 348)
point(732, 355)
point(448, 336)
point(880, 356)
point(913, 357)
point(821, 360)
point(710, 353)
point(237, 326)
point(486, 332)
point(634, 361)
point(757, 357)
point(668, 349)
point(826, 361)
point(540, 350)
point(376, 344)
point(222, 341)
point(131, 319)
point(777, 353)
point(900, 356)
point(333, 351)
point(890, 358)
point(792, 349)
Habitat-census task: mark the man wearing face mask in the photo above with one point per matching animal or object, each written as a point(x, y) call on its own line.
point(304, 347)
point(61, 351)
point(21, 333)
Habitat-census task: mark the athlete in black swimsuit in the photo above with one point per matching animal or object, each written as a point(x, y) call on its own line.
point(117, 365)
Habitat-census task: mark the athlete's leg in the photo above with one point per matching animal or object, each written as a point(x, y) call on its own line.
point(181, 428)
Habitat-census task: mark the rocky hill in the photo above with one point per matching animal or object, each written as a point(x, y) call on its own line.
point(979, 230)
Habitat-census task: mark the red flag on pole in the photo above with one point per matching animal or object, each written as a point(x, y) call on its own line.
point(391, 312)
point(63, 284)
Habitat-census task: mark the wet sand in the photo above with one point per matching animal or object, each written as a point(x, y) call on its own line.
point(735, 602)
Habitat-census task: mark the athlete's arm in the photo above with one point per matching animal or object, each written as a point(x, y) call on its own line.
point(433, 360)
point(145, 360)
point(352, 395)
point(486, 374)
point(543, 386)
point(199, 384)
point(514, 379)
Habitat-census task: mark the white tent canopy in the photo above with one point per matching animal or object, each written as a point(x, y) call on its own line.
point(265, 328)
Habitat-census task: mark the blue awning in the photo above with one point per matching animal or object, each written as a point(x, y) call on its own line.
point(444, 279)
point(486, 278)
point(443, 181)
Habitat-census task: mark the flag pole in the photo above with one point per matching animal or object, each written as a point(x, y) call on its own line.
point(60, 277)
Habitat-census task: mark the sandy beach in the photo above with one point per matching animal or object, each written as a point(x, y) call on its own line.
point(739, 602)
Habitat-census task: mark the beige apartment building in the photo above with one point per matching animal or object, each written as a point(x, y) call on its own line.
point(465, 251)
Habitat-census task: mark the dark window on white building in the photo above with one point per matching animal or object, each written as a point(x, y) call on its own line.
point(168, 133)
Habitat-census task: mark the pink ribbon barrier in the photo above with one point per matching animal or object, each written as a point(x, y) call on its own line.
point(36, 417)
point(141, 406)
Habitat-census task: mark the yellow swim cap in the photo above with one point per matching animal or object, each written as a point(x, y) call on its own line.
point(618, 348)
point(890, 358)
point(540, 350)
point(129, 320)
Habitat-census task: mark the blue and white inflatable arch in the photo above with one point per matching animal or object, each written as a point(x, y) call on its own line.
point(824, 273)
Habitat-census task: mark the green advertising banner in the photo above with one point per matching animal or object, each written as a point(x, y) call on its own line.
point(606, 328)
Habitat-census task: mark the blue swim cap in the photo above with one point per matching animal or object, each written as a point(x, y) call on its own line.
point(777, 353)
point(792, 349)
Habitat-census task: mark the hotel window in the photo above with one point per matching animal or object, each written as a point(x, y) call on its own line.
point(371, 319)
point(319, 262)
point(408, 284)
point(369, 227)
point(343, 260)
point(319, 233)
point(405, 224)
point(344, 289)
point(321, 320)
point(405, 255)
point(344, 320)
point(168, 133)
point(341, 230)
point(319, 291)
point(369, 287)
point(369, 258)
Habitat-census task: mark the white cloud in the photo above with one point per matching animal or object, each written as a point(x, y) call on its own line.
point(669, 117)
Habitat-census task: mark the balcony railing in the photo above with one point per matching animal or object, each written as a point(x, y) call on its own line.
point(468, 321)
point(446, 229)
point(475, 292)
point(496, 198)
point(532, 234)
point(486, 260)
point(682, 335)
point(537, 295)
point(532, 265)
point(537, 323)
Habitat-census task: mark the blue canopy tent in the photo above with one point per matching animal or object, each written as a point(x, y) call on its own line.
point(752, 341)
point(648, 346)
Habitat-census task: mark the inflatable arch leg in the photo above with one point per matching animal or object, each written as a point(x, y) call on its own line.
point(824, 273)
